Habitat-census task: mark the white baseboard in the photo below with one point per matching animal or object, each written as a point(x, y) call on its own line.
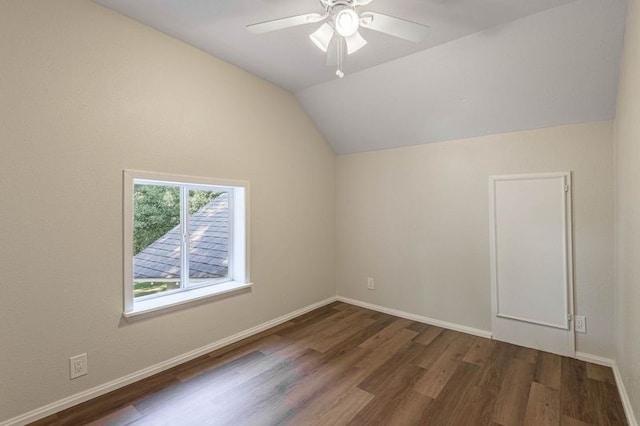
point(81, 397)
point(594, 359)
point(624, 396)
point(418, 318)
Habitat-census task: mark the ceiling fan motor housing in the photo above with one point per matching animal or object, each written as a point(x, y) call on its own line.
point(330, 5)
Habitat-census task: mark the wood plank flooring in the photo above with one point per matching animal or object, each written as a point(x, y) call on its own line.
point(345, 365)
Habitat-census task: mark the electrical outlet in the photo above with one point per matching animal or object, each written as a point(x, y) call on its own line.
point(581, 324)
point(78, 366)
point(371, 285)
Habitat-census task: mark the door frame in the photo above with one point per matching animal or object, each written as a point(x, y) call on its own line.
point(567, 239)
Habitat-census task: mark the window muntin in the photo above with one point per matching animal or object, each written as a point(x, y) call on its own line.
point(182, 235)
point(209, 237)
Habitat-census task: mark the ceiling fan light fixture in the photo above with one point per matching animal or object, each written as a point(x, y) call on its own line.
point(340, 17)
point(347, 22)
point(355, 43)
point(322, 36)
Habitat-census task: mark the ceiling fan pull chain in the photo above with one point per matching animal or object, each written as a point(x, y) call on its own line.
point(340, 47)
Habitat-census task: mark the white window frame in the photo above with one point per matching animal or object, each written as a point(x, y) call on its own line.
point(238, 278)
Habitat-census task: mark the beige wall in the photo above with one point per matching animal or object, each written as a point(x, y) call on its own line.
point(86, 93)
point(417, 220)
point(627, 154)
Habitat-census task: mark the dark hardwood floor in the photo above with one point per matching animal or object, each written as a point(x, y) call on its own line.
point(342, 364)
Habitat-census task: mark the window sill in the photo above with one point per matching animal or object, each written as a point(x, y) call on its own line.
point(166, 303)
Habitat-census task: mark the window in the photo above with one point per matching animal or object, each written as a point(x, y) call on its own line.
point(185, 239)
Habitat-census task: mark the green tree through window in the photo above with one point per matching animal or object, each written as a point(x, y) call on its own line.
point(157, 211)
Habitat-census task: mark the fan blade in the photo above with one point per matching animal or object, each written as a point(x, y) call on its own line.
point(282, 23)
point(355, 43)
point(322, 36)
point(396, 27)
point(361, 2)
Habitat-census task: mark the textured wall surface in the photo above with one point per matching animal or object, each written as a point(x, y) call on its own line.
point(417, 220)
point(86, 93)
point(627, 154)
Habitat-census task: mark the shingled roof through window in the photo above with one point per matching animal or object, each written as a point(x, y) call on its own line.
point(208, 246)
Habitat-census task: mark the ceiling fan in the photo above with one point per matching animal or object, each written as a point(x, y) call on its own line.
point(341, 32)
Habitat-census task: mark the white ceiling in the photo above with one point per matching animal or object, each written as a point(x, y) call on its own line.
point(287, 57)
point(488, 66)
point(553, 68)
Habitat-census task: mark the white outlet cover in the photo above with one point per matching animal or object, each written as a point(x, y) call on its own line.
point(78, 366)
point(581, 324)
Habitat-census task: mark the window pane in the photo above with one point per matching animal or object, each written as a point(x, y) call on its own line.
point(156, 239)
point(208, 235)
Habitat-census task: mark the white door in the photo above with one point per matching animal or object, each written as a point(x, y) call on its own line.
point(531, 261)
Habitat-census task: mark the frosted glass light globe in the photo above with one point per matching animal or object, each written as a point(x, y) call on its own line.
point(347, 22)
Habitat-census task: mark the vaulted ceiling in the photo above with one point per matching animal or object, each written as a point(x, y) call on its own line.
point(486, 67)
